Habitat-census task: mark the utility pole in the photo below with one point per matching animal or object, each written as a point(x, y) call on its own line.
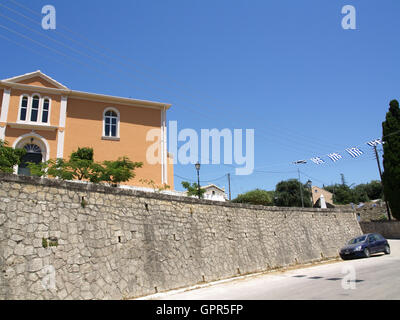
point(229, 186)
point(197, 165)
point(380, 174)
point(301, 189)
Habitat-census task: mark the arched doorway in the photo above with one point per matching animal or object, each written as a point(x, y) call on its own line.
point(33, 154)
point(37, 150)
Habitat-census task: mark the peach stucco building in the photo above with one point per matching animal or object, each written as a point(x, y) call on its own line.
point(50, 121)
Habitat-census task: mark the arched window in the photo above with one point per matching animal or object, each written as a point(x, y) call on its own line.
point(111, 124)
point(23, 109)
point(45, 111)
point(35, 108)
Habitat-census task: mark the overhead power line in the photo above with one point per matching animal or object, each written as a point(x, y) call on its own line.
point(98, 61)
point(284, 136)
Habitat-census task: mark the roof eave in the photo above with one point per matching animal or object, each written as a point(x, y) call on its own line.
point(37, 73)
point(87, 95)
point(120, 100)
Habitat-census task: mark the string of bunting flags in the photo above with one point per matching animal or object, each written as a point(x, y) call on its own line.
point(354, 152)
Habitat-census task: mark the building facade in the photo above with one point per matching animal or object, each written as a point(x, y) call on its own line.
point(213, 192)
point(316, 195)
point(51, 121)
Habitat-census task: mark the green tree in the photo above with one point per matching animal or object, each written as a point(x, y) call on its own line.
point(59, 168)
point(53, 168)
point(193, 189)
point(117, 171)
point(257, 197)
point(374, 190)
point(342, 193)
point(82, 166)
point(368, 191)
point(39, 169)
point(287, 194)
point(391, 158)
point(9, 157)
point(81, 163)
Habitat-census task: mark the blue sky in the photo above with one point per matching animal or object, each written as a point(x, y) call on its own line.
point(286, 69)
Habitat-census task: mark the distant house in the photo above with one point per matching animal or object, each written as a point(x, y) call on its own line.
point(316, 195)
point(213, 192)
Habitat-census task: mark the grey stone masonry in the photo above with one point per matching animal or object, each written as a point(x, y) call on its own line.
point(70, 240)
point(388, 229)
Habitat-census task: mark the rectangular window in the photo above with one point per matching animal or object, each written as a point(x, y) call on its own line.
point(23, 114)
point(45, 113)
point(34, 115)
point(24, 109)
point(35, 109)
point(114, 130)
point(45, 116)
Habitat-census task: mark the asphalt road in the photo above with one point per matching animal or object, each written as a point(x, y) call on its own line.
point(375, 278)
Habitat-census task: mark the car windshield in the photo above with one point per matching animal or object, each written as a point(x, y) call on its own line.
point(357, 240)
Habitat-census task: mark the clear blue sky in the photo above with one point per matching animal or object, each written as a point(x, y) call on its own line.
point(284, 68)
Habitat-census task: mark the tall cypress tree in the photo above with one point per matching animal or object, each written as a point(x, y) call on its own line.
point(391, 158)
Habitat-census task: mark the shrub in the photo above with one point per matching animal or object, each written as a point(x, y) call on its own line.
point(9, 157)
point(257, 197)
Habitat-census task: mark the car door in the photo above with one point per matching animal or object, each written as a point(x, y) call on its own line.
point(373, 244)
point(380, 242)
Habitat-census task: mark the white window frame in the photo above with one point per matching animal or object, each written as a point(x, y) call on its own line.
point(41, 111)
point(20, 107)
point(29, 110)
point(104, 124)
point(39, 108)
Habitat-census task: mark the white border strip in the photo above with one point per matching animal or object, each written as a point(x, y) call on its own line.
point(63, 111)
point(61, 134)
point(5, 105)
point(4, 111)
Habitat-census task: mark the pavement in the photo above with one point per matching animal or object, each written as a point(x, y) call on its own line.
point(374, 278)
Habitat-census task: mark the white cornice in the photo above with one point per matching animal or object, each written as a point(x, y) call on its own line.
point(87, 95)
point(32, 126)
point(31, 88)
point(39, 74)
point(212, 186)
point(119, 100)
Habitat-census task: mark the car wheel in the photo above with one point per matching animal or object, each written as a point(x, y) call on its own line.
point(366, 253)
point(387, 249)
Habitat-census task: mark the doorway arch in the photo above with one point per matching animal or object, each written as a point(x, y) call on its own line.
point(37, 150)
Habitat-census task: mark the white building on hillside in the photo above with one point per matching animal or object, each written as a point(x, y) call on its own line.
point(214, 193)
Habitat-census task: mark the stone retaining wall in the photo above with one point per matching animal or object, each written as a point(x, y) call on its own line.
point(388, 229)
point(66, 240)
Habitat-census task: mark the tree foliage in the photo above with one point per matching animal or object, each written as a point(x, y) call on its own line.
point(370, 191)
point(391, 158)
point(288, 194)
point(81, 166)
point(193, 189)
point(9, 157)
point(343, 194)
point(257, 197)
point(118, 171)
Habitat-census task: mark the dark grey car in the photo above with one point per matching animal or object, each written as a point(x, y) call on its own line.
point(364, 246)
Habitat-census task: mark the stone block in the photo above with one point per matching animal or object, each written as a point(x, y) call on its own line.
point(35, 265)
